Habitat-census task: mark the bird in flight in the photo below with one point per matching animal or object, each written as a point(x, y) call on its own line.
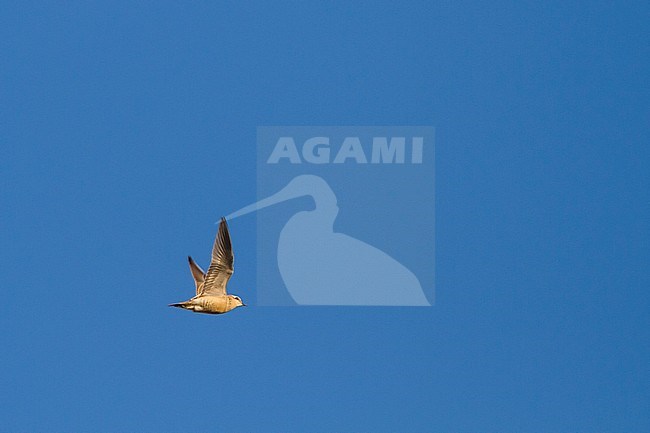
point(211, 296)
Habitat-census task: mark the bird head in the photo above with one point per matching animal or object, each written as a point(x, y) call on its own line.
point(237, 301)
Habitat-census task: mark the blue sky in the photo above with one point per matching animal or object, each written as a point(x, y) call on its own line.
point(128, 129)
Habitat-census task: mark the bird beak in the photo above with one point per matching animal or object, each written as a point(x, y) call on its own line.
point(292, 190)
point(244, 305)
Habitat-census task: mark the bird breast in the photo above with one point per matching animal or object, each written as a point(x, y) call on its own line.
point(214, 304)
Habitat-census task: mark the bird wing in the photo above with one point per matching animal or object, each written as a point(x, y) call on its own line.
point(221, 266)
point(197, 274)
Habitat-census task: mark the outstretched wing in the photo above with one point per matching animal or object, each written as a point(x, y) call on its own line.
point(197, 274)
point(221, 266)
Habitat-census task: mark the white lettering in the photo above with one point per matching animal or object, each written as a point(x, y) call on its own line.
point(317, 150)
point(416, 156)
point(284, 148)
point(351, 148)
point(322, 154)
point(388, 153)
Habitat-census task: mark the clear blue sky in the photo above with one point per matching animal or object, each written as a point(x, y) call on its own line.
point(127, 129)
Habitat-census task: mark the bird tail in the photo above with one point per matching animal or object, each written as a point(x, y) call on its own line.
point(179, 305)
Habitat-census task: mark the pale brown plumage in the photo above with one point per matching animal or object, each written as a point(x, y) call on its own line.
point(211, 295)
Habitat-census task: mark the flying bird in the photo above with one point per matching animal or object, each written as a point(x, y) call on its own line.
point(211, 296)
